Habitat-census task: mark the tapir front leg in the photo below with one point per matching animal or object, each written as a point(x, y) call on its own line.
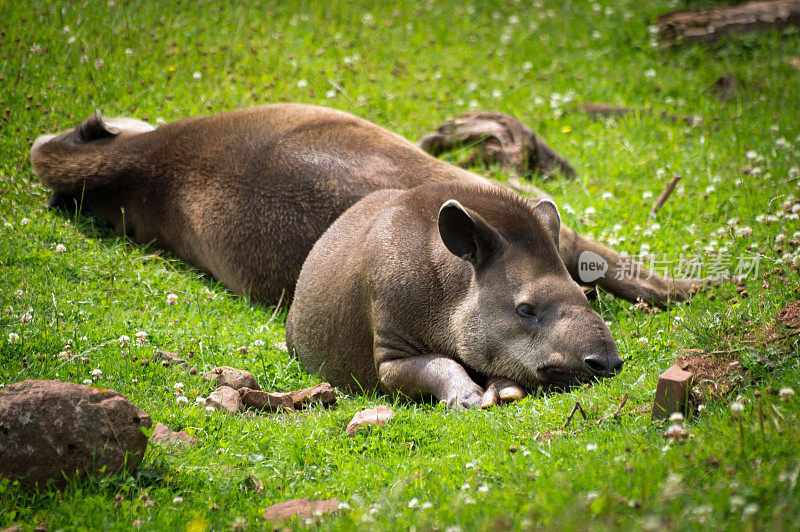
point(418, 376)
point(625, 278)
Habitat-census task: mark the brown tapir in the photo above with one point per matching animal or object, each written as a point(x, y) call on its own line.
point(410, 289)
point(245, 194)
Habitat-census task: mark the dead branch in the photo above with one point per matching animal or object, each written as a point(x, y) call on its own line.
point(576, 408)
point(603, 110)
point(497, 138)
point(662, 199)
point(709, 24)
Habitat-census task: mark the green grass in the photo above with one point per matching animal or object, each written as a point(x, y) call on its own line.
point(409, 68)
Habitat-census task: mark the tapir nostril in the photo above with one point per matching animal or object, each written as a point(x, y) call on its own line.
point(602, 366)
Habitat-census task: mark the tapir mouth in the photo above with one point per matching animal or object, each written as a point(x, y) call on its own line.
point(559, 377)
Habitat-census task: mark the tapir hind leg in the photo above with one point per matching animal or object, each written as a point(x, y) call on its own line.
point(625, 278)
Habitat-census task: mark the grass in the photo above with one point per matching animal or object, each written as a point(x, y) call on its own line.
point(408, 68)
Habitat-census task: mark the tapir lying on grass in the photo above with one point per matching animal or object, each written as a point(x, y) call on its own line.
point(246, 194)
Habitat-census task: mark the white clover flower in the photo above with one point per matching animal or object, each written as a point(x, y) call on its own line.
point(527, 65)
point(591, 446)
point(750, 509)
point(786, 393)
point(182, 400)
point(643, 340)
point(483, 488)
point(171, 299)
point(87, 381)
point(782, 144)
point(589, 211)
point(413, 503)
point(12, 337)
point(751, 154)
point(592, 495)
point(141, 337)
point(124, 340)
point(737, 408)
point(607, 195)
point(330, 94)
point(711, 189)
point(97, 373)
point(24, 222)
point(469, 465)
point(197, 75)
point(200, 400)
point(258, 343)
point(647, 194)
point(744, 232)
point(210, 408)
point(128, 51)
point(650, 73)
point(177, 500)
point(61, 248)
point(676, 417)
point(497, 93)
point(178, 388)
point(302, 83)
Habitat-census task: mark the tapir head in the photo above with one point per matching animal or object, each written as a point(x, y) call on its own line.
point(523, 317)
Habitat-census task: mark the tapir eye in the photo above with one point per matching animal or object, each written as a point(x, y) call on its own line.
point(528, 312)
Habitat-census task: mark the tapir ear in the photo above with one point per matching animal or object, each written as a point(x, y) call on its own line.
point(93, 128)
point(467, 235)
point(548, 213)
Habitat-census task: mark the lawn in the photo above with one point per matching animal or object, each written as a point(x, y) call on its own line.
point(70, 287)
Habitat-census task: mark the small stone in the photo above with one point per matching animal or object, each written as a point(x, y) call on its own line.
point(672, 392)
point(169, 359)
point(321, 393)
point(303, 508)
point(163, 435)
point(265, 401)
point(225, 398)
point(53, 429)
point(371, 416)
point(235, 378)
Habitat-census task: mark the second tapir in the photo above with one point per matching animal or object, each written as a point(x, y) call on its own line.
point(245, 194)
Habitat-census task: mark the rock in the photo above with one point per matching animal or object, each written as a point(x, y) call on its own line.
point(235, 378)
point(51, 429)
point(265, 401)
point(302, 508)
point(169, 359)
point(163, 435)
point(672, 392)
point(225, 398)
point(371, 416)
point(322, 393)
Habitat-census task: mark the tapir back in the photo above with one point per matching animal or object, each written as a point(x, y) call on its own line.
point(243, 194)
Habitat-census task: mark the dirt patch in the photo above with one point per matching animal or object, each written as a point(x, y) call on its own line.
point(714, 378)
point(789, 316)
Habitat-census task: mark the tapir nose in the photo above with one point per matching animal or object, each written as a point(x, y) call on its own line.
point(603, 365)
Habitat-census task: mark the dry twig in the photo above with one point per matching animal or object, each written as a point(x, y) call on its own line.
point(662, 199)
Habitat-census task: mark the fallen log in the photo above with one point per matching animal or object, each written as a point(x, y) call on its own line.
point(497, 138)
point(603, 110)
point(709, 24)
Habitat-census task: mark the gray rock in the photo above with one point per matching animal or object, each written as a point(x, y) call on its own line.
point(52, 429)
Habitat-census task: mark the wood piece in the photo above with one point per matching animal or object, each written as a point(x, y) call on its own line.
point(663, 197)
point(604, 110)
point(576, 408)
point(265, 401)
point(709, 24)
point(500, 139)
point(303, 508)
point(672, 392)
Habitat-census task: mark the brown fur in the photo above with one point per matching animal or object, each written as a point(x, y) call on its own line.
point(383, 302)
point(245, 194)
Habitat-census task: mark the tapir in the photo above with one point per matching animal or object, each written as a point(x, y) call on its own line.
point(245, 195)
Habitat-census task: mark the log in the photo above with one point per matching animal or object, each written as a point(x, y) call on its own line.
point(497, 138)
point(709, 24)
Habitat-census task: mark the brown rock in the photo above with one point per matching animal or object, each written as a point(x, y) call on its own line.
point(51, 429)
point(235, 378)
point(672, 392)
point(162, 434)
point(302, 508)
point(265, 401)
point(322, 393)
point(169, 359)
point(371, 416)
point(225, 398)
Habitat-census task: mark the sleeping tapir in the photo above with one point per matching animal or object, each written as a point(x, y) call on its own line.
point(245, 195)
